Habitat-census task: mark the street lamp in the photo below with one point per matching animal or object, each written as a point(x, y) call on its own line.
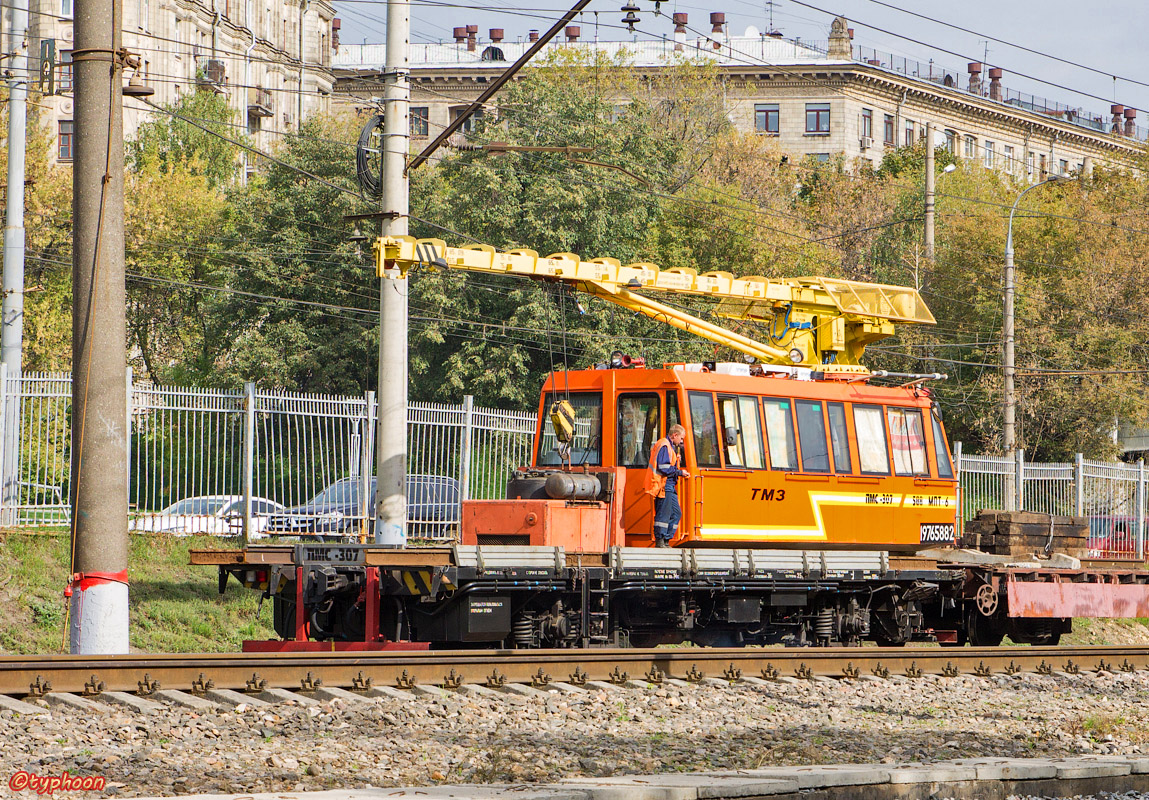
point(1008, 362)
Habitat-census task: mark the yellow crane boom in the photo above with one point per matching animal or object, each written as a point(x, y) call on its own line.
point(822, 323)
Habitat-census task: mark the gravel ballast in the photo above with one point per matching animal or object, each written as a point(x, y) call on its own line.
point(483, 737)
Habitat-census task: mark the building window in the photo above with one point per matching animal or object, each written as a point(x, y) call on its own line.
point(1007, 153)
point(989, 154)
point(1064, 167)
point(64, 141)
point(471, 122)
point(142, 14)
point(1029, 159)
point(64, 83)
point(821, 158)
point(66, 8)
point(419, 121)
point(867, 122)
point(970, 146)
point(817, 118)
point(766, 117)
point(909, 133)
point(951, 141)
point(888, 135)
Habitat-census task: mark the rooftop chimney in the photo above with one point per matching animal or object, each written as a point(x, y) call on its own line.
point(679, 30)
point(995, 83)
point(974, 69)
point(472, 36)
point(1118, 111)
point(572, 32)
point(840, 48)
point(533, 36)
point(460, 34)
point(717, 26)
point(336, 24)
point(496, 35)
point(1130, 125)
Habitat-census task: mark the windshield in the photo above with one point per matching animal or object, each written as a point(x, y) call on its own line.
point(341, 493)
point(587, 444)
point(197, 505)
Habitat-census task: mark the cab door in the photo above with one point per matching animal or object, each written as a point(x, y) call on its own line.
point(639, 426)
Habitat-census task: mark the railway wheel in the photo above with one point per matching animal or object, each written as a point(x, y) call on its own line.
point(983, 631)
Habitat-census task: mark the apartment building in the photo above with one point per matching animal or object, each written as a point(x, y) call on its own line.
point(817, 99)
point(271, 59)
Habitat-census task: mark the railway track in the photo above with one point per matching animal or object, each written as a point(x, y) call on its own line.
point(142, 675)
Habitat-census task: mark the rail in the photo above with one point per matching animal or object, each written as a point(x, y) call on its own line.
point(142, 674)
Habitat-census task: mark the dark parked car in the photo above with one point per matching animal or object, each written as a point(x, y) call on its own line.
point(432, 510)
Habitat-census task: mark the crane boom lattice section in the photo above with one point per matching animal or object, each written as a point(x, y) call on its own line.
point(814, 321)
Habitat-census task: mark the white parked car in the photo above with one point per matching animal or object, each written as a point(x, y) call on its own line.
point(212, 515)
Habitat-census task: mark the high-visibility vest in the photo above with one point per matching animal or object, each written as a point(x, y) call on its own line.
point(655, 480)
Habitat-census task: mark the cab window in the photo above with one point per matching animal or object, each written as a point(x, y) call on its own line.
point(705, 429)
point(780, 433)
point(839, 438)
point(873, 454)
point(909, 441)
point(587, 445)
point(941, 451)
point(638, 428)
point(741, 432)
point(673, 417)
point(812, 436)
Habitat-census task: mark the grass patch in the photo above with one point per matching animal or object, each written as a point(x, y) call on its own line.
point(174, 607)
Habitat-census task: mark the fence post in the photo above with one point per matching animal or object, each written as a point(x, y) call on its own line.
point(130, 377)
point(465, 452)
point(6, 514)
point(366, 453)
point(1019, 480)
point(248, 456)
point(1079, 485)
point(958, 515)
point(1140, 509)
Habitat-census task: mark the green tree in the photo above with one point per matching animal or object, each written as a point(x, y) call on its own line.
point(304, 314)
point(179, 138)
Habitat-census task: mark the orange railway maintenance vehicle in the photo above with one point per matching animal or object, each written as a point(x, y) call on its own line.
point(821, 505)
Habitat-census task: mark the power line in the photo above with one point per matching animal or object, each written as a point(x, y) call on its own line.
point(961, 55)
point(1011, 44)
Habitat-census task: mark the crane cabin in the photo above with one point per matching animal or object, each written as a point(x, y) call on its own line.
point(777, 457)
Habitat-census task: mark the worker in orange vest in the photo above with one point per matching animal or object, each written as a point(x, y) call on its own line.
point(662, 476)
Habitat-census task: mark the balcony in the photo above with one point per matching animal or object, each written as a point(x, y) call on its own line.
point(260, 102)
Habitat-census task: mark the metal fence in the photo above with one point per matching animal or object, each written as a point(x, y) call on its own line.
point(1111, 494)
point(305, 460)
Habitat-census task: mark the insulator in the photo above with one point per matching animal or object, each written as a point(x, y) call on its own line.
point(630, 19)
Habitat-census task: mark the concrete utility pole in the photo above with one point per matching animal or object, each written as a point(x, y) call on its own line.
point(391, 439)
point(1008, 360)
point(99, 605)
point(929, 236)
point(12, 337)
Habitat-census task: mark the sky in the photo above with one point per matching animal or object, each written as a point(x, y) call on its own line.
point(1105, 38)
